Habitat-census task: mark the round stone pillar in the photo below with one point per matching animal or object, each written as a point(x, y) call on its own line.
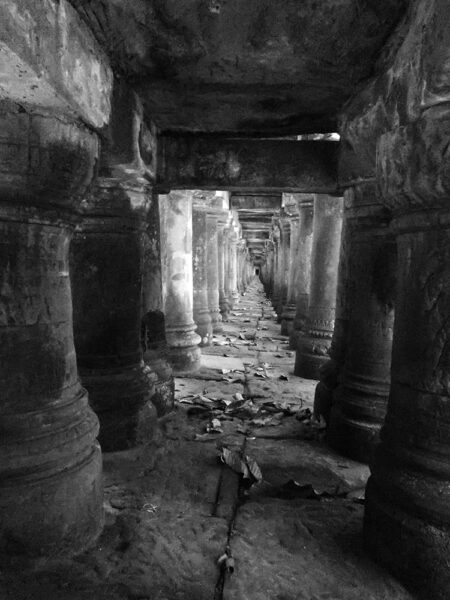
point(277, 264)
point(407, 510)
point(289, 309)
point(233, 265)
point(284, 255)
point(212, 276)
point(50, 462)
point(222, 245)
point(202, 317)
point(228, 263)
point(360, 400)
point(268, 268)
point(176, 257)
point(106, 270)
point(153, 331)
point(330, 370)
point(316, 339)
point(303, 271)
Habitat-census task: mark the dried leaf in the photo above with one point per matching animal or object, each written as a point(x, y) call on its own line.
point(254, 469)
point(243, 464)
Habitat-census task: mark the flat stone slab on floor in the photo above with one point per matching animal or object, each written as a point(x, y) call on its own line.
point(304, 550)
point(234, 363)
point(306, 462)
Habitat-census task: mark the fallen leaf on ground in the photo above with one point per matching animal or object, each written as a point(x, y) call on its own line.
point(241, 463)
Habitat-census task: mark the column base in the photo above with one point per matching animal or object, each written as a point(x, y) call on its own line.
point(287, 320)
point(354, 437)
point(51, 494)
point(183, 352)
point(414, 550)
point(162, 378)
point(216, 320)
point(225, 308)
point(312, 353)
point(185, 360)
point(295, 338)
point(121, 398)
point(204, 326)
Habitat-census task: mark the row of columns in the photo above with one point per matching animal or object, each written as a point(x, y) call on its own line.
point(330, 270)
point(206, 266)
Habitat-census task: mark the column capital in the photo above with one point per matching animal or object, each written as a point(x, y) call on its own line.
point(46, 162)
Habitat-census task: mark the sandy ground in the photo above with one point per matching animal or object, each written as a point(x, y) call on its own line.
point(288, 528)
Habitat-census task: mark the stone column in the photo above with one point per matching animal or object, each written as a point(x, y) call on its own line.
point(50, 461)
point(407, 516)
point(361, 399)
point(241, 264)
point(303, 271)
point(285, 243)
point(277, 264)
point(202, 317)
point(233, 264)
point(316, 340)
point(289, 309)
point(212, 253)
point(176, 257)
point(222, 244)
point(330, 371)
point(269, 268)
point(106, 270)
point(153, 331)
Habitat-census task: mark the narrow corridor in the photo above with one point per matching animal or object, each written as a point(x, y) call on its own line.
point(174, 508)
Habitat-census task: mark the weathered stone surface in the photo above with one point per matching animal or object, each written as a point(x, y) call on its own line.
point(361, 399)
point(303, 279)
point(314, 345)
point(44, 157)
point(402, 119)
point(52, 62)
point(216, 162)
point(176, 257)
point(201, 313)
point(106, 271)
point(216, 66)
point(222, 245)
point(50, 461)
point(212, 266)
point(153, 329)
point(407, 505)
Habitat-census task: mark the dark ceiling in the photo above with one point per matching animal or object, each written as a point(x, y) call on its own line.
point(243, 66)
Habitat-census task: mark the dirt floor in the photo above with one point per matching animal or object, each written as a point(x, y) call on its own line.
point(237, 498)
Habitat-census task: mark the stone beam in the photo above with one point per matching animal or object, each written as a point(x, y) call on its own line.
point(211, 162)
point(259, 202)
point(50, 61)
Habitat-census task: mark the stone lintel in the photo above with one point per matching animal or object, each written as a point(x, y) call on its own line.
point(257, 202)
point(51, 61)
point(213, 162)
